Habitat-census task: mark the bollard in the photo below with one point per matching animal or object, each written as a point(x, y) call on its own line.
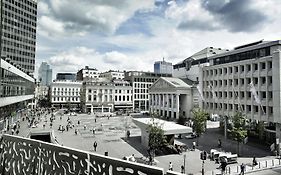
point(259, 165)
point(253, 167)
point(229, 170)
point(272, 162)
point(237, 169)
point(279, 161)
point(266, 164)
point(213, 172)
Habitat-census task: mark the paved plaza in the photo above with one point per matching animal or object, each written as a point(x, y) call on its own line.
point(110, 135)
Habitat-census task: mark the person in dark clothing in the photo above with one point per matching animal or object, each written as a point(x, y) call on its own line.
point(242, 167)
point(95, 146)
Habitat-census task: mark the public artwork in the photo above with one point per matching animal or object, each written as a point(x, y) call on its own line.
point(29, 157)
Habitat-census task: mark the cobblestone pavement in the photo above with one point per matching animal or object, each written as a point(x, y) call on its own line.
point(110, 136)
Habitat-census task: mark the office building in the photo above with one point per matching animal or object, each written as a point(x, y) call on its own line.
point(66, 76)
point(140, 82)
point(45, 74)
point(246, 79)
point(16, 91)
point(163, 67)
point(87, 73)
point(18, 33)
point(189, 68)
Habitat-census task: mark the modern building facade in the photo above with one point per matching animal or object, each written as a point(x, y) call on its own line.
point(246, 79)
point(173, 97)
point(190, 67)
point(111, 74)
point(163, 67)
point(104, 95)
point(16, 91)
point(87, 73)
point(45, 74)
point(140, 82)
point(65, 93)
point(66, 76)
point(18, 33)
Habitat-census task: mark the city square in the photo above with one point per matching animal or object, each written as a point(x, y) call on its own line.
point(154, 87)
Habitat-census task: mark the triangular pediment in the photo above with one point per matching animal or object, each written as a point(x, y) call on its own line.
point(161, 84)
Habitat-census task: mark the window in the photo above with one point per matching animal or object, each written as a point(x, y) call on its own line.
point(241, 68)
point(256, 67)
point(89, 98)
point(256, 109)
point(269, 65)
point(248, 68)
point(263, 80)
point(262, 66)
point(263, 95)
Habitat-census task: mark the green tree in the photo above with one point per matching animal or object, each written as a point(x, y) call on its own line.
point(239, 131)
point(156, 139)
point(199, 121)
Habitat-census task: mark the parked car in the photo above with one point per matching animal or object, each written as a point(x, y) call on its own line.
point(190, 135)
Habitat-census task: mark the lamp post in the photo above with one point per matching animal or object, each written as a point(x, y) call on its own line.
point(184, 157)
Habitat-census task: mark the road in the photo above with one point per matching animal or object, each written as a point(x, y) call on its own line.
point(275, 171)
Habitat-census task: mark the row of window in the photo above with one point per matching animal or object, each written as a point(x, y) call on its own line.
point(238, 94)
point(150, 80)
point(241, 81)
point(252, 54)
point(236, 107)
point(141, 85)
point(108, 98)
point(66, 89)
point(141, 96)
point(68, 99)
point(239, 69)
point(65, 93)
point(106, 91)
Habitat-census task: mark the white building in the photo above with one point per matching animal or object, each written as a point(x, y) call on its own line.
point(66, 94)
point(87, 73)
point(190, 67)
point(111, 75)
point(103, 95)
point(172, 97)
point(163, 67)
point(226, 84)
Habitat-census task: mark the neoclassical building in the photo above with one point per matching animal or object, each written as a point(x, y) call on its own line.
point(173, 97)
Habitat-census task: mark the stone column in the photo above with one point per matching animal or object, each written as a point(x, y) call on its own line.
point(172, 105)
point(177, 106)
point(92, 108)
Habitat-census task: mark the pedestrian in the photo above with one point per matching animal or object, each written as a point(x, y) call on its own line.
point(95, 146)
point(182, 169)
point(170, 166)
point(242, 167)
point(51, 125)
point(78, 122)
point(254, 161)
point(219, 143)
point(85, 127)
point(17, 132)
point(193, 145)
point(128, 134)
point(44, 126)
point(75, 131)
point(94, 131)
point(12, 130)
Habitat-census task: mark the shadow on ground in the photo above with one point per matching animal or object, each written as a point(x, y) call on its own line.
point(209, 140)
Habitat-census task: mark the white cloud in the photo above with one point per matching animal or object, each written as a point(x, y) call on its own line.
point(43, 8)
point(80, 17)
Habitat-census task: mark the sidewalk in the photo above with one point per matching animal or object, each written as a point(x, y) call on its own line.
point(235, 169)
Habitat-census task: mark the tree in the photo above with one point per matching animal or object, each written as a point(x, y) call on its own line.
point(239, 131)
point(182, 120)
point(199, 121)
point(156, 139)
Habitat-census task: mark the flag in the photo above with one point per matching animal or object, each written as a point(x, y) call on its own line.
point(213, 92)
point(254, 92)
point(200, 92)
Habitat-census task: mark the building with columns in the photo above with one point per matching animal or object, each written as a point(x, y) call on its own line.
point(140, 82)
point(228, 83)
point(173, 97)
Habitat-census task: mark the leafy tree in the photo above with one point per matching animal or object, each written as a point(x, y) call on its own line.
point(156, 139)
point(239, 131)
point(199, 121)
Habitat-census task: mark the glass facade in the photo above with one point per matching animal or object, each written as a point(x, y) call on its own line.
point(14, 85)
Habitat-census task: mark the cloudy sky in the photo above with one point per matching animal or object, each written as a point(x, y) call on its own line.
point(132, 34)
